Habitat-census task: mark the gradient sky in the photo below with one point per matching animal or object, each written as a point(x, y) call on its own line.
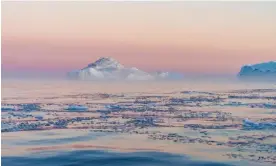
point(188, 37)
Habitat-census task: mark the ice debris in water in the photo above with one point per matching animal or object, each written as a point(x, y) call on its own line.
point(269, 105)
point(248, 124)
point(234, 103)
point(77, 108)
point(8, 108)
point(115, 107)
point(39, 117)
point(30, 107)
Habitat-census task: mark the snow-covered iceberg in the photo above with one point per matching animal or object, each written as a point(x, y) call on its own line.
point(107, 68)
point(260, 70)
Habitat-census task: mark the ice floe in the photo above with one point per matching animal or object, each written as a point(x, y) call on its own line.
point(76, 108)
point(248, 124)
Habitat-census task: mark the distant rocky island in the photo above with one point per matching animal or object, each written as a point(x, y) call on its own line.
point(260, 71)
point(107, 68)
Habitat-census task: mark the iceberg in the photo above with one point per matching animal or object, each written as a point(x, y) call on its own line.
point(107, 68)
point(260, 70)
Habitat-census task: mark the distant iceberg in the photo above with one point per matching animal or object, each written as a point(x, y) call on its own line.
point(107, 68)
point(266, 70)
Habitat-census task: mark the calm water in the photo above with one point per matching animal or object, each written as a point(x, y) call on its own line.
point(87, 158)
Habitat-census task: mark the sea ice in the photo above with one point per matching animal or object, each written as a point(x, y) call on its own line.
point(234, 104)
point(114, 107)
point(76, 108)
point(8, 108)
point(39, 117)
point(248, 124)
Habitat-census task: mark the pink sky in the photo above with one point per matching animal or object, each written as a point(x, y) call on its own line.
point(197, 37)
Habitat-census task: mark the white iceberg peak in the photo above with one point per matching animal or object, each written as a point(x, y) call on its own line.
point(108, 68)
point(105, 63)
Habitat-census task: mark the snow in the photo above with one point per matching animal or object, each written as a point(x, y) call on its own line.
point(134, 69)
point(106, 63)
point(91, 72)
point(161, 74)
point(134, 76)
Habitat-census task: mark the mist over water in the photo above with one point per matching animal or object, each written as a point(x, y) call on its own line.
point(33, 85)
point(186, 78)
